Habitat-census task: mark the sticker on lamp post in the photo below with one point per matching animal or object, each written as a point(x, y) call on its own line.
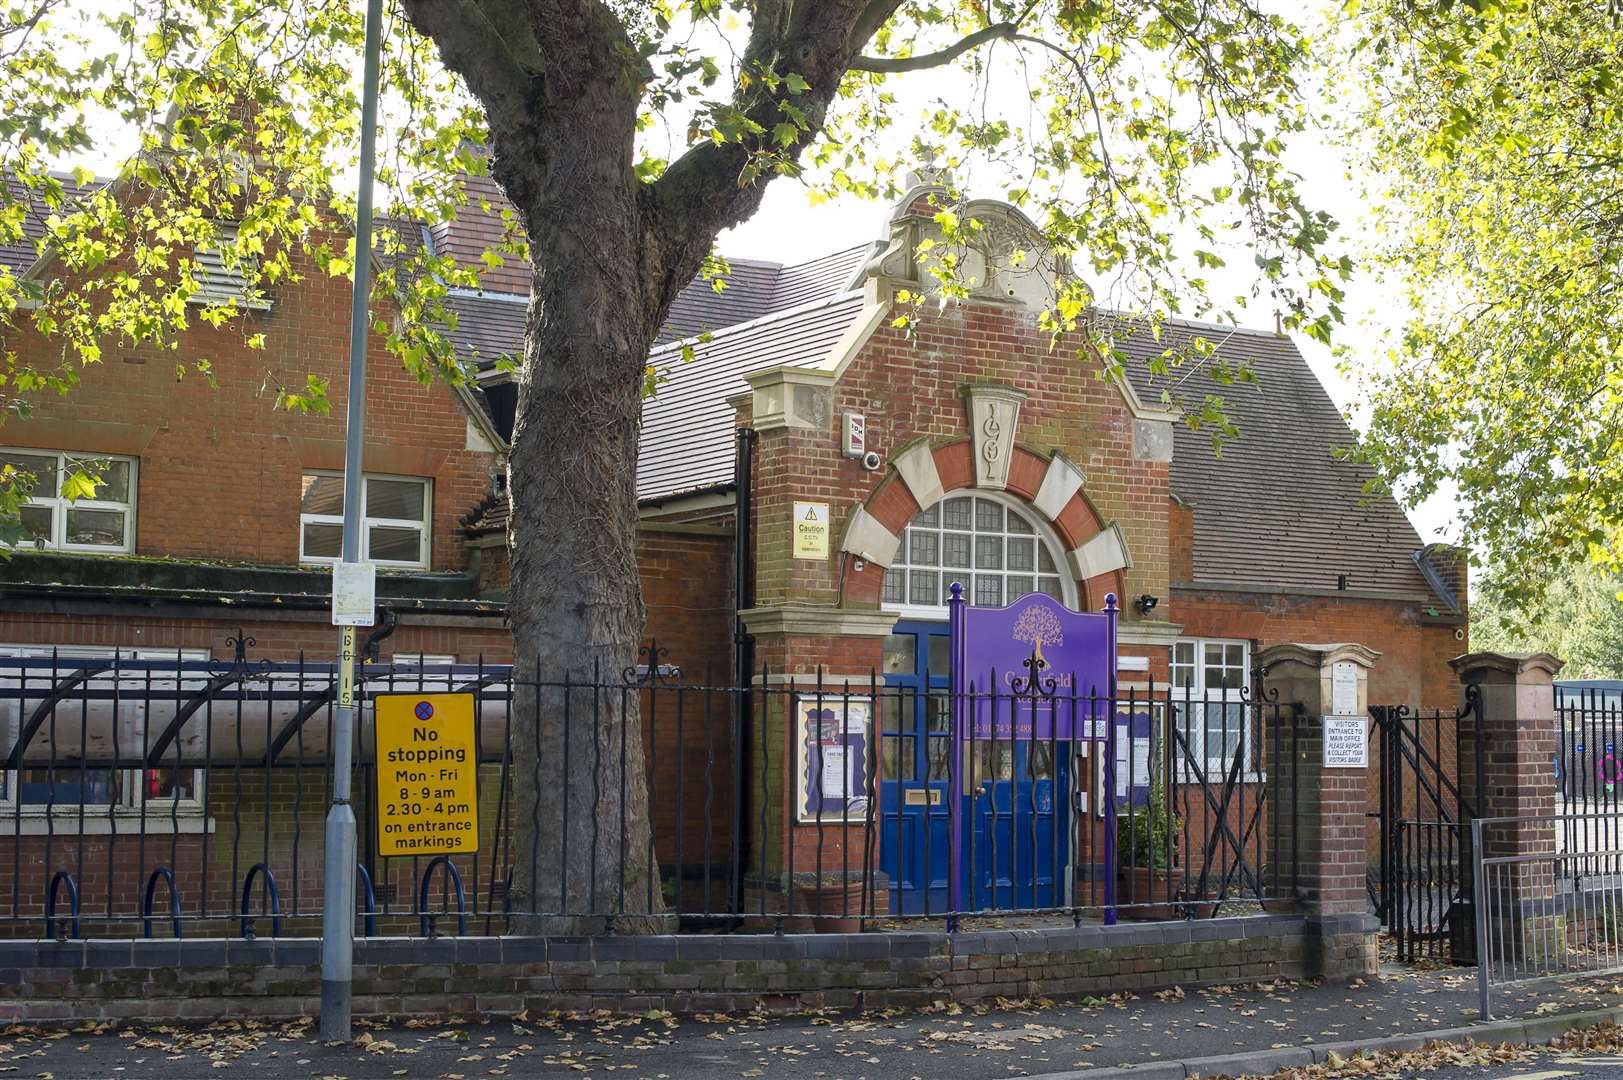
point(354, 594)
point(428, 774)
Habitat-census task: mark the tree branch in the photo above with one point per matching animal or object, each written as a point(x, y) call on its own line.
point(709, 187)
point(497, 69)
point(891, 64)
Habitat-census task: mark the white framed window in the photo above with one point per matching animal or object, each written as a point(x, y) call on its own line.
point(1210, 681)
point(990, 544)
point(54, 777)
point(52, 518)
point(395, 516)
point(222, 271)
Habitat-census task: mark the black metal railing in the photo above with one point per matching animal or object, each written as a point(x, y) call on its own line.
point(177, 795)
point(1588, 772)
point(1430, 768)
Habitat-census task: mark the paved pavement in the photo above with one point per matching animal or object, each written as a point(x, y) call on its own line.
point(1014, 1039)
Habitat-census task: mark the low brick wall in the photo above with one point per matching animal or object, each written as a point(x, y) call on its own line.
point(209, 978)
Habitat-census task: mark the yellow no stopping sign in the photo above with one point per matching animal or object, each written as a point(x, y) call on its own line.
point(428, 774)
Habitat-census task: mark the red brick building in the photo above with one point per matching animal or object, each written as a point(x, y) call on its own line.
point(991, 455)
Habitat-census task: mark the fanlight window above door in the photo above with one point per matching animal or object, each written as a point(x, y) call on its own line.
point(994, 548)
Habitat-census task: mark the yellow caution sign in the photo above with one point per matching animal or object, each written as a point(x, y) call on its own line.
point(811, 530)
point(428, 767)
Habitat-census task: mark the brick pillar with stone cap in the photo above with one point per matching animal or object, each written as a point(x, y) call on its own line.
point(1320, 801)
point(1508, 743)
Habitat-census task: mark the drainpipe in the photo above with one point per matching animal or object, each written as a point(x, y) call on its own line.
point(743, 653)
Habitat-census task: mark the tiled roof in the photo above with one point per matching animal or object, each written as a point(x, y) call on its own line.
point(475, 231)
point(755, 288)
point(491, 325)
point(488, 328)
point(20, 256)
point(687, 427)
point(1275, 507)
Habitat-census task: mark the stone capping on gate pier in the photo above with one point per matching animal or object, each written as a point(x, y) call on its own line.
point(202, 978)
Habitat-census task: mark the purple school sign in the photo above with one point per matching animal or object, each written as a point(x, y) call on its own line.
point(1035, 670)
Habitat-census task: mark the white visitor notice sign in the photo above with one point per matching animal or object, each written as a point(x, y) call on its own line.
point(1346, 742)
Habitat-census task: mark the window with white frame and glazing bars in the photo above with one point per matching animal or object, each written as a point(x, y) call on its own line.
point(76, 502)
point(1210, 679)
point(993, 549)
point(394, 523)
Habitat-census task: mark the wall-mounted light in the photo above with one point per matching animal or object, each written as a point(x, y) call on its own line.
point(1342, 582)
point(1146, 603)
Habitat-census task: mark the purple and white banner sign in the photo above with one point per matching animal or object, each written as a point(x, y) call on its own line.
point(996, 649)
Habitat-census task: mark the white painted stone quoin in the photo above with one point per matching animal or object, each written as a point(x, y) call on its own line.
point(1104, 552)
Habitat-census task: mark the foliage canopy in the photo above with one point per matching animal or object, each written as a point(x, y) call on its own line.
point(1497, 130)
point(1146, 138)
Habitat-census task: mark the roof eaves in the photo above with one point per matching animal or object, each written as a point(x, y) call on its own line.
point(1262, 588)
point(683, 494)
point(480, 417)
point(1435, 580)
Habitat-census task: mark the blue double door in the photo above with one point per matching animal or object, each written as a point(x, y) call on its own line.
point(1014, 817)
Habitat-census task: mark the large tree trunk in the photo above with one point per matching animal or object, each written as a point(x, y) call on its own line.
point(581, 835)
point(561, 82)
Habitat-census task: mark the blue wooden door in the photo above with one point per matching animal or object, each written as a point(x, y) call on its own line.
point(914, 746)
point(1015, 818)
point(1017, 855)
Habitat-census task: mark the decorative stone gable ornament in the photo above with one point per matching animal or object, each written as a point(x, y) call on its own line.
point(1001, 253)
point(993, 413)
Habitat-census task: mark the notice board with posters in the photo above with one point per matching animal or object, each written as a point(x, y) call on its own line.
point(428, 774)
point(832, 738)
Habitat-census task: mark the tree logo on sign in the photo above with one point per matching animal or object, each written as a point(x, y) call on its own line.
point(1040, 627)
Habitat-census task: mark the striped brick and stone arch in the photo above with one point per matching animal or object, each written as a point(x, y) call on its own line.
point(1049, 488)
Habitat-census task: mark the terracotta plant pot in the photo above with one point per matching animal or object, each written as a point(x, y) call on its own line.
point(833, 905)
point(1146, 889)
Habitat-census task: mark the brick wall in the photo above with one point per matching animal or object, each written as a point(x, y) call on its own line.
point(1412, 669)
point(205, 979)
point(687, 589)
point(910, 385)
point(219, 466)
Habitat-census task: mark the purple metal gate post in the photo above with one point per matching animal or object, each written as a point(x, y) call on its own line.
point(1109, 794)
point(956, 665)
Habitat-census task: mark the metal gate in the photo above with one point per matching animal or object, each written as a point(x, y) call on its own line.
point(1422, 887)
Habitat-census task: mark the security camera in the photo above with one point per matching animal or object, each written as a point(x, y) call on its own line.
point(872, 461)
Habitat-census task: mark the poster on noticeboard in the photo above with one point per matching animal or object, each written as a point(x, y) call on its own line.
point(831, 771)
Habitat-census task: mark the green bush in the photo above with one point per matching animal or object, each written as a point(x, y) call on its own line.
point(1146, 834)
